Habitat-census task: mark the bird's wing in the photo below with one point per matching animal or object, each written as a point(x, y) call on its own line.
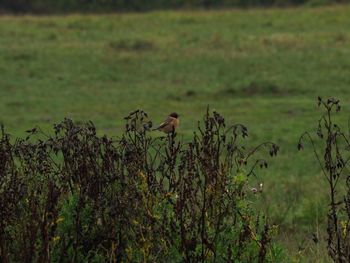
point(166, 122)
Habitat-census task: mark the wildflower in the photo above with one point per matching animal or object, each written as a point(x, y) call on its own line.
point(254, 190)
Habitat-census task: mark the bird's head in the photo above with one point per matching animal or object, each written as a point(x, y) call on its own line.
point(174, 115)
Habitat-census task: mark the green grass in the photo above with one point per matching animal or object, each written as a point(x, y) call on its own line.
point(263, 68)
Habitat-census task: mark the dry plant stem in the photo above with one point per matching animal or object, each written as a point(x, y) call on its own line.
point(333, 167)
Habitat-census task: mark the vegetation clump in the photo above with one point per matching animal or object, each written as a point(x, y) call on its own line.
point(79, 197)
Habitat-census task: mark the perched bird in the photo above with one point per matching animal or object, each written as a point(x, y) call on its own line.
point(170, 123)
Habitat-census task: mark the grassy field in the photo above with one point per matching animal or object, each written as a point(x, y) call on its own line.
point(263, 68)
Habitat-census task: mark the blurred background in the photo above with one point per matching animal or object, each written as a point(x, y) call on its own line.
point(144, 5)
point(257, 62)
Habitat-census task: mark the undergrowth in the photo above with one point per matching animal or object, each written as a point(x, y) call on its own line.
point(79, 197)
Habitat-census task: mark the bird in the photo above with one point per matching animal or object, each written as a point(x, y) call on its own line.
point(170, 123)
